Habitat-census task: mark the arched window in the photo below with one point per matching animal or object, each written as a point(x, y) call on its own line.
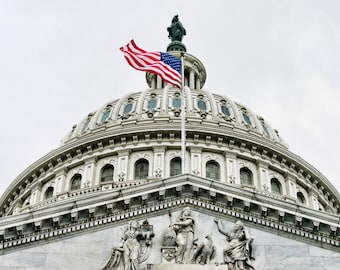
point(301, 199)
point(107, 173)
point(212, 170)
point(175, 166)
point(246, 176)
point(49, 193)
point(76, 182)
point(275, 186)
point(141, 169)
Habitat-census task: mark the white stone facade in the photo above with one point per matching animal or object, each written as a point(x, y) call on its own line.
point(123, 163)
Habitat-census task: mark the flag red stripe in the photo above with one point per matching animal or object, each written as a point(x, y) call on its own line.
point(154, 68)
point(142, 60)
point(150, 62)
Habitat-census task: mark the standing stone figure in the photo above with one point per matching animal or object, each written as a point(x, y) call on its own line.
point(176, 30)
point(135, 248)
point(184, 228)
point(238, 254)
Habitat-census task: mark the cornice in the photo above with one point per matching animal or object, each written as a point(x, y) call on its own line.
point(114, 207)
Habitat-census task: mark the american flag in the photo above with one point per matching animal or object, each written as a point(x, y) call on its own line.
point(163, 64)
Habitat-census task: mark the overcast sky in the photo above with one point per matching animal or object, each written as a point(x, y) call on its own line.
point(60, 60)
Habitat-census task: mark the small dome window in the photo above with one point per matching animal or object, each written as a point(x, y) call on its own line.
point(141, 169)
point(246, 176)
point(225, 110)
point(212, 170)
point(175, 166)
point(177, 102)
point(201, 104)
point(152, 103)
point(86, 125)
point(127, 108)
point(275, 186)
point(106, 114)
point(107, 173)
point(76, 182)
point(246, 118)
point(265, 129)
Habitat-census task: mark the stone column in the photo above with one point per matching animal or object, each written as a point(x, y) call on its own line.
point(192, 79)
point(159, 82)
point(153, 81)
point(198, 83)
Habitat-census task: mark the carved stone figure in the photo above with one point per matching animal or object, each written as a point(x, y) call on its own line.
point(238, 254)
point(176, 30)
point(135, 247)
point(184, 228)
point(178, 239)
point(204, 251)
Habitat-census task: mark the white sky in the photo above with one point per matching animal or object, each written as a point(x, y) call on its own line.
point(60, 60)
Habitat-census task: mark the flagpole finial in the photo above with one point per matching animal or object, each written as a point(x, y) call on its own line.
point(176, 33)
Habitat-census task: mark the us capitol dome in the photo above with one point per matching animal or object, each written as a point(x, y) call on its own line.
point(119, 169)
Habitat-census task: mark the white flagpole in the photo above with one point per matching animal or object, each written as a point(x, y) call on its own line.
point(183, 135)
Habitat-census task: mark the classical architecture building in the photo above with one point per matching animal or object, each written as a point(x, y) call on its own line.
point(112, 196)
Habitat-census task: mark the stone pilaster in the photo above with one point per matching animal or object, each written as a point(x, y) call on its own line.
point(158, 164)
point(263, 177)
point(60, 176)
point(123, 164)
point(231, 169)
point(89, 178)
point(290, 185)
point(196, 160)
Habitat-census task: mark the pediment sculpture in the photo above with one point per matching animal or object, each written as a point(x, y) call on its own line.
point(134, 249)
point(238, 254)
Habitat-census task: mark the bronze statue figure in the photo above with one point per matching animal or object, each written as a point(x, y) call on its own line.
point(176, 30)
